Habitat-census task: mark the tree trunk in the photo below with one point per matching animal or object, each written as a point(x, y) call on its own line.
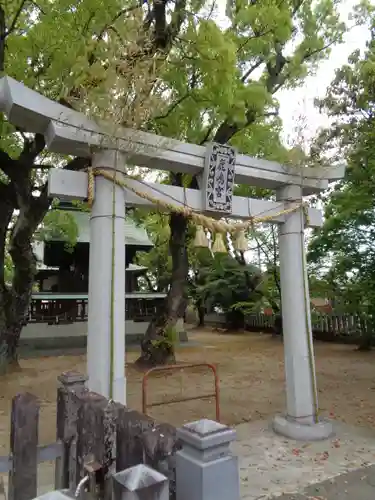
point(9, 337)
point(278, 325)
point(19, 194)
point(201, 310)
point(235, 320)
point(158, 343)
point(9, 341)
point(14, 301)
point(14, 309)
point(15, 297)
point(367, 334)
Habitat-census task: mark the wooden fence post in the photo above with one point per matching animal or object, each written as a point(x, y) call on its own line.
point(70, 383)
point(23, 447)
point(96, 441)
point(129, 448)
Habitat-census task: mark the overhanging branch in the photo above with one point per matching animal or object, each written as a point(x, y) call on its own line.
point(2, 39)
point(13, 24)
point(31, 150)
point(7, 164)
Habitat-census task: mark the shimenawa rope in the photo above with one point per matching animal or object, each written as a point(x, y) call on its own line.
point(214, 225)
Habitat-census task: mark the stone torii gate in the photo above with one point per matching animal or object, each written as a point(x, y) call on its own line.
point(218, 167)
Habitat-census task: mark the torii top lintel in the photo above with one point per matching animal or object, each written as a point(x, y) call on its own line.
point(69, 132)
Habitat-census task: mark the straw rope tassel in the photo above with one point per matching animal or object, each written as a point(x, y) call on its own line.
point(219, 245)
point(240, 242)
point(200, 240)
point(306, 214)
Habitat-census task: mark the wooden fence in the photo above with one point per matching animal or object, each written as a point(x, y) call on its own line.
point(324, 326)
point(94, 436)
point(334, 325)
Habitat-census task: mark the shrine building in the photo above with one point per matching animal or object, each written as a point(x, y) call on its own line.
point(59, 307)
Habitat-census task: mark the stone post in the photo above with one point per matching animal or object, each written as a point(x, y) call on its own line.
point(300, 421)
point(205, 467)
point(140, 483)
point(106, 362)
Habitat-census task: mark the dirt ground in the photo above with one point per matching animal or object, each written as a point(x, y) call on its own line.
point(251, 374)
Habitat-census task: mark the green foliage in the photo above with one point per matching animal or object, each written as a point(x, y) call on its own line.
point(168, 340)
point(8, 269)
point(59, 225)
point(231, 75)
point(342, 252)
point(157, 260)
point(175, 71)
point(74, 51)
point(230, 284)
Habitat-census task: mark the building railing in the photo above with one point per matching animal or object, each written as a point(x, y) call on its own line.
point(71, 308)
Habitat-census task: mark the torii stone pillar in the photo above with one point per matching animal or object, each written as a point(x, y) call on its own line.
point(300, 421)
point(106, 322)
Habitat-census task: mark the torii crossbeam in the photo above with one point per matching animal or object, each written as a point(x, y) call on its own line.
point(69, 132)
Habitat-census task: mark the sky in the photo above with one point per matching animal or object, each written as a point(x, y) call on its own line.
point(300, 102)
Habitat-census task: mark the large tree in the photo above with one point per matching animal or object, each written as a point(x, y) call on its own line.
point(343, 250)
point(101, 57)
point(223, 84)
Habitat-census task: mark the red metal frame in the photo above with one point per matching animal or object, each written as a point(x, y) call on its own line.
point(171, 368)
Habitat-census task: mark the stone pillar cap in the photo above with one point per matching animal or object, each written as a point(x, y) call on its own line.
point(56, 495)
point(72, 377)
point(138, 477)
point(203, 434)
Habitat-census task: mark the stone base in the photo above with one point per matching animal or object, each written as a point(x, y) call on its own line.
point(301, 431)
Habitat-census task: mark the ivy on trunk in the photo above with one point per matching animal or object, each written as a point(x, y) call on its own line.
point(158, 342)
